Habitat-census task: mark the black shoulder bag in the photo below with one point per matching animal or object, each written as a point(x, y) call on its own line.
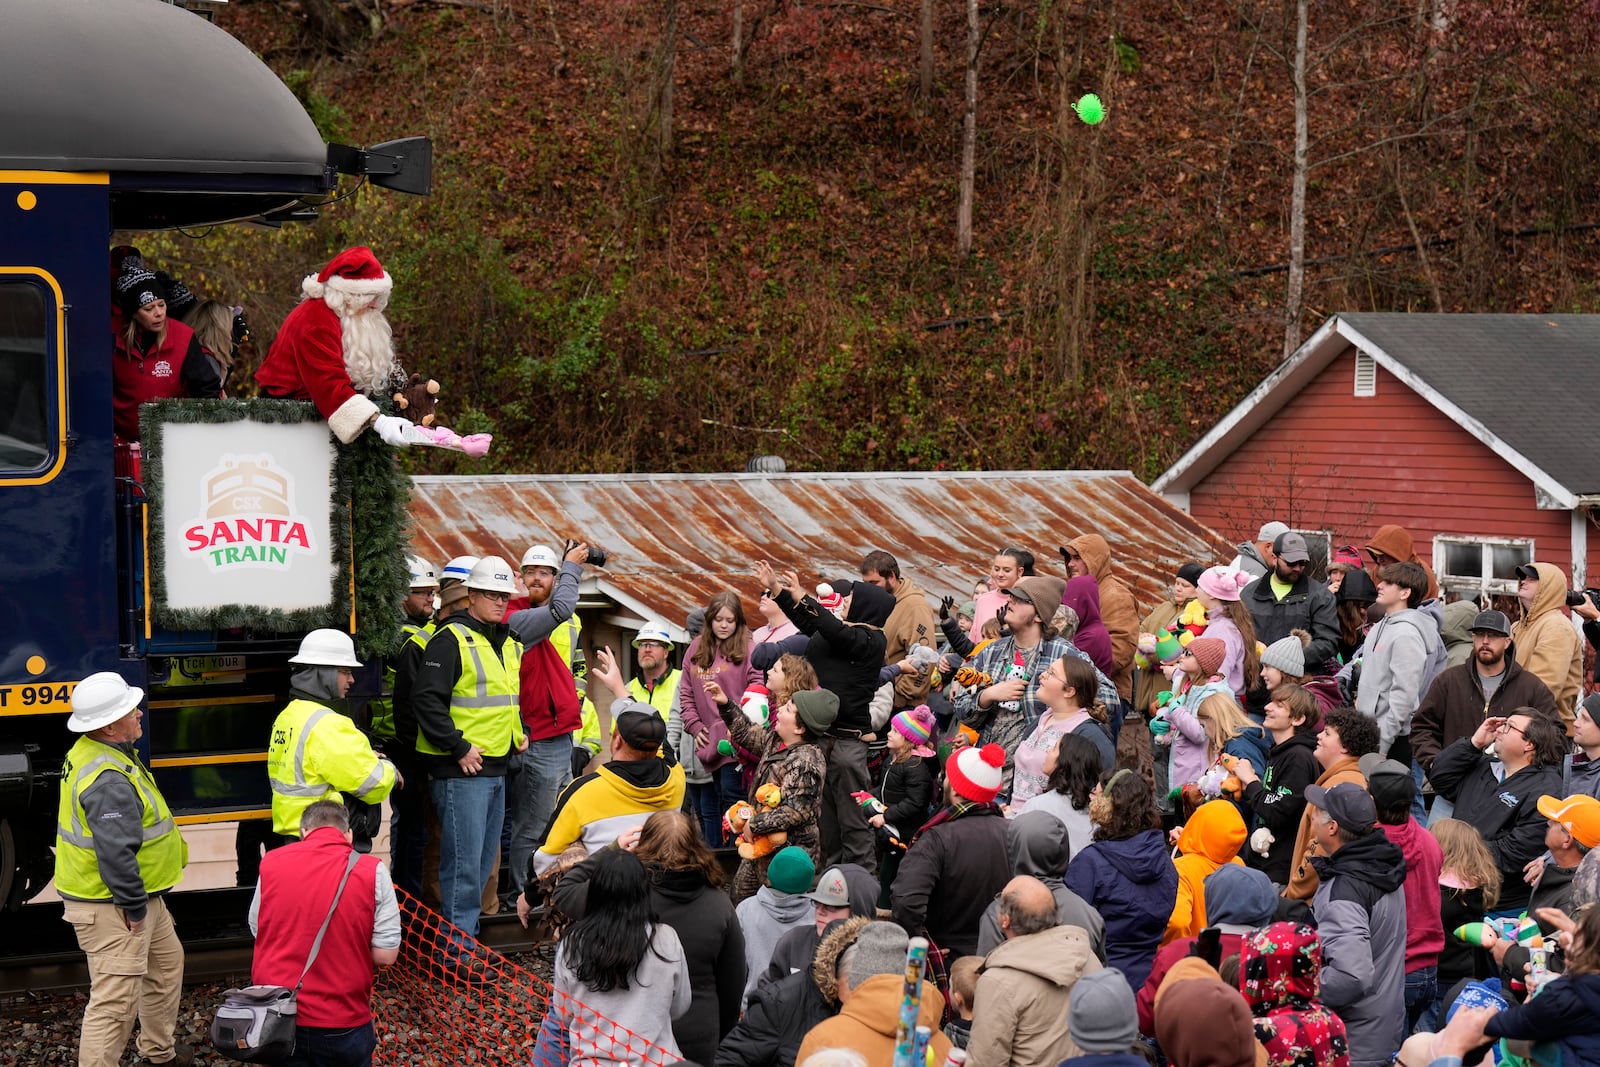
point(256, 1024)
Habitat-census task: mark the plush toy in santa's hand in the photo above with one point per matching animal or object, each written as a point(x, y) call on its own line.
point(336, 350)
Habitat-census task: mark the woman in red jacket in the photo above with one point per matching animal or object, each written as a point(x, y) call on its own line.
point(155, 358)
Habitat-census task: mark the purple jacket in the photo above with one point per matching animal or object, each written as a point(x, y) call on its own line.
point(1134, 886)
point(1083, 596)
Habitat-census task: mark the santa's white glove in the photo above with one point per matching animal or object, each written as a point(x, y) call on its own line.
point(395, 430)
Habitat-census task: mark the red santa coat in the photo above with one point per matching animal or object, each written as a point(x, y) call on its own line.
point(306, 362)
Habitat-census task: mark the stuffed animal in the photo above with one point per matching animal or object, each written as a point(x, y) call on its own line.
point(1160, 647)
point(1220, 781)
point(737, 821)
point(1192, 623)
point(418, 399)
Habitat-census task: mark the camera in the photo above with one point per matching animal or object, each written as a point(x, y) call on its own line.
point(595, 558)
point(1574, 598)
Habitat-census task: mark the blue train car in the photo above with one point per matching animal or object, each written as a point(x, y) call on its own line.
point(120, 115)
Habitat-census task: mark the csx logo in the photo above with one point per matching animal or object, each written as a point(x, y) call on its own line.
point(250, 504)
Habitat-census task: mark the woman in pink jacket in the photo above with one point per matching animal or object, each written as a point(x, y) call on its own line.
point(721, 654)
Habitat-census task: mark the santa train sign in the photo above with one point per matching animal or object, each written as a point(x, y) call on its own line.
point(250, 518)
point(244, 515)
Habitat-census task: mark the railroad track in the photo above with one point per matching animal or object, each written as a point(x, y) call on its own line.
point(60, 968)
point(40, 957)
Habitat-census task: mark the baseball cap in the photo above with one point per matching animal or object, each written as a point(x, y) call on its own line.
point(832, 889)
point(639, 725)
point(1491, 621)
point(1527, 570)
point(1388, 781)
point(1291, 548)
point(1271, 531)
point(1579, 815)
point(1347, 804)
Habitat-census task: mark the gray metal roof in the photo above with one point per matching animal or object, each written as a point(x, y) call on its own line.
point(142, 86)
point(1532, 380)
point(674, 539)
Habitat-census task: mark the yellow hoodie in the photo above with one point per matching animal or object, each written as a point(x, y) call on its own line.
point(1547, 646)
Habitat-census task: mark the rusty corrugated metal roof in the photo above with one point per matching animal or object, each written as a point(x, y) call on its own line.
point(675, 539)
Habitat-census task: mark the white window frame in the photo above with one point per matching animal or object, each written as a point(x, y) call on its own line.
point(1483, 585)
point(1366, 377)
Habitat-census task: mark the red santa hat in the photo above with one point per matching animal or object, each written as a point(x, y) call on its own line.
point(975, 773)
point(355, 272)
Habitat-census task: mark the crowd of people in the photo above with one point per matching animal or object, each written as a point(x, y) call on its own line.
point(1276, 819)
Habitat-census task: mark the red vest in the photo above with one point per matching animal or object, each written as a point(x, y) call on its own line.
point(156, 375)
point(297, 884)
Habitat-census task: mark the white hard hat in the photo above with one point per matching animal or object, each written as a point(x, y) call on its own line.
point(100, 700)
point(327, 648)
point(422, 573)
point(652, 631)
point(541, 556)
point(492, 574)
point(458, 568)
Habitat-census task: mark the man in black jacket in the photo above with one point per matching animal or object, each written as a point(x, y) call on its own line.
point(847, 657)
point(782, 1013)
point(1287, 599)
point(1495, 778)
point(1490, 683)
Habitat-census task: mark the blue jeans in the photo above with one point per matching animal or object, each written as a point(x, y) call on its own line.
point(1418, 808)
point(471, 812)
point(703, 800)
point(318, 1046)
point(551, 1048)
point(1422, 990)
point(537, 778)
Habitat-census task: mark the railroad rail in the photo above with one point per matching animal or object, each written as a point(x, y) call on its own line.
point(41, 958)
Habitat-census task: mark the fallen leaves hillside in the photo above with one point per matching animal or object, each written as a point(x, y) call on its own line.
point(775, 270)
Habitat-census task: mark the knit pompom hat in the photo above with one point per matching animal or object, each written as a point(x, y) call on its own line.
point(1209, 653)
point(1223, 583)
point(917, 726)
point(976, 773)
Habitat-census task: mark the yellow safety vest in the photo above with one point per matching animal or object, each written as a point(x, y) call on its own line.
point(380, 710)
point(162, 854)
point(661, 696)
point(483, 703)
point(316, 754)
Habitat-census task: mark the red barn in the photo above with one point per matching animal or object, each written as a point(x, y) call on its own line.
point(1480, 434)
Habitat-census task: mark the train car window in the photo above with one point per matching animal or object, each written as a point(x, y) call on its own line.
point(24, 377)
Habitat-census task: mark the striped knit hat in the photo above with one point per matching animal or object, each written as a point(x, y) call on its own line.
point(916, 725)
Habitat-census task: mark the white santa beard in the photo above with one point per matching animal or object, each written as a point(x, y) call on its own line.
point(368, 349)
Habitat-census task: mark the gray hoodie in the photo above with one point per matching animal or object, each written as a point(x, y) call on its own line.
point(1036, 843)
point(1395, 663)
point(765, 918)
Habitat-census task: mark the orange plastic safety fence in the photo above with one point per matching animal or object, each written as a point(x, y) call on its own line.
point(450, 1000)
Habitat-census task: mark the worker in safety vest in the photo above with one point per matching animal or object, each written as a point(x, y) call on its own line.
point(543, 771)
point(396, 729)
point(416, 615)
point(118, 852)
point(423, 880)
point(316, 752)
point(468, 731)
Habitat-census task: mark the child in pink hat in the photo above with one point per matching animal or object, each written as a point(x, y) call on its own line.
point(907, 790)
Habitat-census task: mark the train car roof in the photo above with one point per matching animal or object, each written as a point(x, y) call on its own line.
point(140, 87)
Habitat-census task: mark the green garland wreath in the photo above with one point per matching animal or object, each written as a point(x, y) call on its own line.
point(371, 499)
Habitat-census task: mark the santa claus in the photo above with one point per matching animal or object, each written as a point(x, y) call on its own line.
point(336, 349)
